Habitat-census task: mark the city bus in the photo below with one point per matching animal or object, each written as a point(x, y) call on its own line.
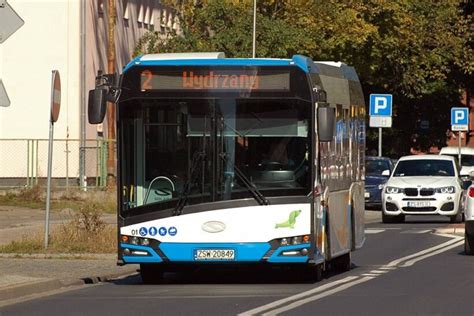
point(228, 162)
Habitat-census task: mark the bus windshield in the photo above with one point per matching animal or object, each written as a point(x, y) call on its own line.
point(196, 147)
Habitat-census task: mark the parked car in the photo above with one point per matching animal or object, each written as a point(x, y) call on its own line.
point(469, 217)
point(467, 158)
point(377, 172)
point(423, 185)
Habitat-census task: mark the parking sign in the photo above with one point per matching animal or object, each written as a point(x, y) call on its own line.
point(459, 119)
point(380, 105)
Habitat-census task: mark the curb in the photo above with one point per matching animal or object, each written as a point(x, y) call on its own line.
point(11, 294)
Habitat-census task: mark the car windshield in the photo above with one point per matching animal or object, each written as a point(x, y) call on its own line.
point(424, 167)
point(375, 167)
point(466, 160)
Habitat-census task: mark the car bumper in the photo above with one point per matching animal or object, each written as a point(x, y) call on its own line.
point(373, 197)
point(440, 204)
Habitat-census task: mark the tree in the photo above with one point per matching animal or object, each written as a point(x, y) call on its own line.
point(418, 50)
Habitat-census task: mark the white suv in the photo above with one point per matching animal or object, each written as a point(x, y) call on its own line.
point(423, 185)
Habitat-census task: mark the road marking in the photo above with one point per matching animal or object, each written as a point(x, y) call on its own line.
point(374, 231)
point(297, 296)
point(424, 231)
point(319, 296)
point(343, 284)
point(411, 262)
point(429, 251)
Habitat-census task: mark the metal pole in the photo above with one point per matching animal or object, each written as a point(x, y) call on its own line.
point(459, 149)
point(48, 192)
point(254, 27)
point(380, 142)
point(82, 159)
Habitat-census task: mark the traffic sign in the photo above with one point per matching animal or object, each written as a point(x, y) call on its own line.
point(380, 105)
point(4, 100)
point(459, 119)
point(10, 21)
point(55, 95)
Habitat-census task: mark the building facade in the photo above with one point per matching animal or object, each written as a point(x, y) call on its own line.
point(69, 36)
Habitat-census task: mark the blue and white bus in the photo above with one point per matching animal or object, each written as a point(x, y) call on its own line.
point(225, 161)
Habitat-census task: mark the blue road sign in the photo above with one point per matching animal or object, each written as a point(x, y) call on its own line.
point(380, 105)
point(459, 116)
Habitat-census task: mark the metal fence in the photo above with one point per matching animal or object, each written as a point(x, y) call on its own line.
point(24, 163)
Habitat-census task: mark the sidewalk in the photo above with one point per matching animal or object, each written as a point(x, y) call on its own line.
point(22, 275)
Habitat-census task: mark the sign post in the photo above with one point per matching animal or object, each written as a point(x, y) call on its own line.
point(459, 123)
point(380, 111)
point(55, 106)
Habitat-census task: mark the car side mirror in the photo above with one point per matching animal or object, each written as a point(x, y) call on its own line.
point(386, 173)
point(97, 105)
point(466, 184)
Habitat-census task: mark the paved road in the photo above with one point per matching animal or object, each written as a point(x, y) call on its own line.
point(404, 269)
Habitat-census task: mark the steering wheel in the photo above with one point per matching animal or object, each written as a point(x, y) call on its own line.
point(272, 165)
point(161, 191)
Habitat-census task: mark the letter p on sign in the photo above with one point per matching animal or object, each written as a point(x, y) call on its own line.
point(380, 105)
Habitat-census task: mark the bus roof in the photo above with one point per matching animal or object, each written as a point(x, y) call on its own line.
point(333, 69)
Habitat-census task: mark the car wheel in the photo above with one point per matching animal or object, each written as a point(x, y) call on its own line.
point(388, 219)
point(468, 244)
point(151, 273)
point(456, 218)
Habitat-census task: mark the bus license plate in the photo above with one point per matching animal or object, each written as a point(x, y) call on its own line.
point(418, 204)
point(214, 254)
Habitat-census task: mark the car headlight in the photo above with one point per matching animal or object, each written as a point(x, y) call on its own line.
point(393, 190)
point(445, 190)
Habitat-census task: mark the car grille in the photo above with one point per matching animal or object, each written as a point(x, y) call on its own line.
point(423, 192)
point(411, 192)
point(426, 192)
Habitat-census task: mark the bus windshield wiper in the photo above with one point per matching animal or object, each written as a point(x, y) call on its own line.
point(198, 157)
point(261, 199)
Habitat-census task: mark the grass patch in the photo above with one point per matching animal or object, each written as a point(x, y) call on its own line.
point(73, 199)
point(85, 232)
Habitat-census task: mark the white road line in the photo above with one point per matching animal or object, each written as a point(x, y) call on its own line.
point(374, 231)
point(297, 296)
point(423, 252)
point(343, 284)
point(319, 296)
point(424, 231)
point(411, 262)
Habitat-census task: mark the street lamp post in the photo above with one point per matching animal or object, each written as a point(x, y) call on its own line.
point(254, 27)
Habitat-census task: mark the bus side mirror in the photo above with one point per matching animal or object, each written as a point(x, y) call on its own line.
point(326, 123)
point(97, 105)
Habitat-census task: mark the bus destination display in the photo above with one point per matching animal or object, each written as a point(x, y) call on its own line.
point(215, 80)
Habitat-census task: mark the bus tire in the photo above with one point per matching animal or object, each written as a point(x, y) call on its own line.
point(342, 263)
point(151, 273)
point(315, 273)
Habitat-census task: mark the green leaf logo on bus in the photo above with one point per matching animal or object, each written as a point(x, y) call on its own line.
point(291, 220)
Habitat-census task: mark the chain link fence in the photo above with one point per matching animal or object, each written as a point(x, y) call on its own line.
point(24, 163)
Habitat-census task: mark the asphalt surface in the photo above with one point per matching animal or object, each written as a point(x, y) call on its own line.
point(402, 269)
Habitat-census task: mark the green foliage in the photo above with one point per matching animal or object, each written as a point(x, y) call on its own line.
point(418, 50)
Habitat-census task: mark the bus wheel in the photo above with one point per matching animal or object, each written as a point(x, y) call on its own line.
point(151, 273)
point(342, 263)
point(315, 273)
